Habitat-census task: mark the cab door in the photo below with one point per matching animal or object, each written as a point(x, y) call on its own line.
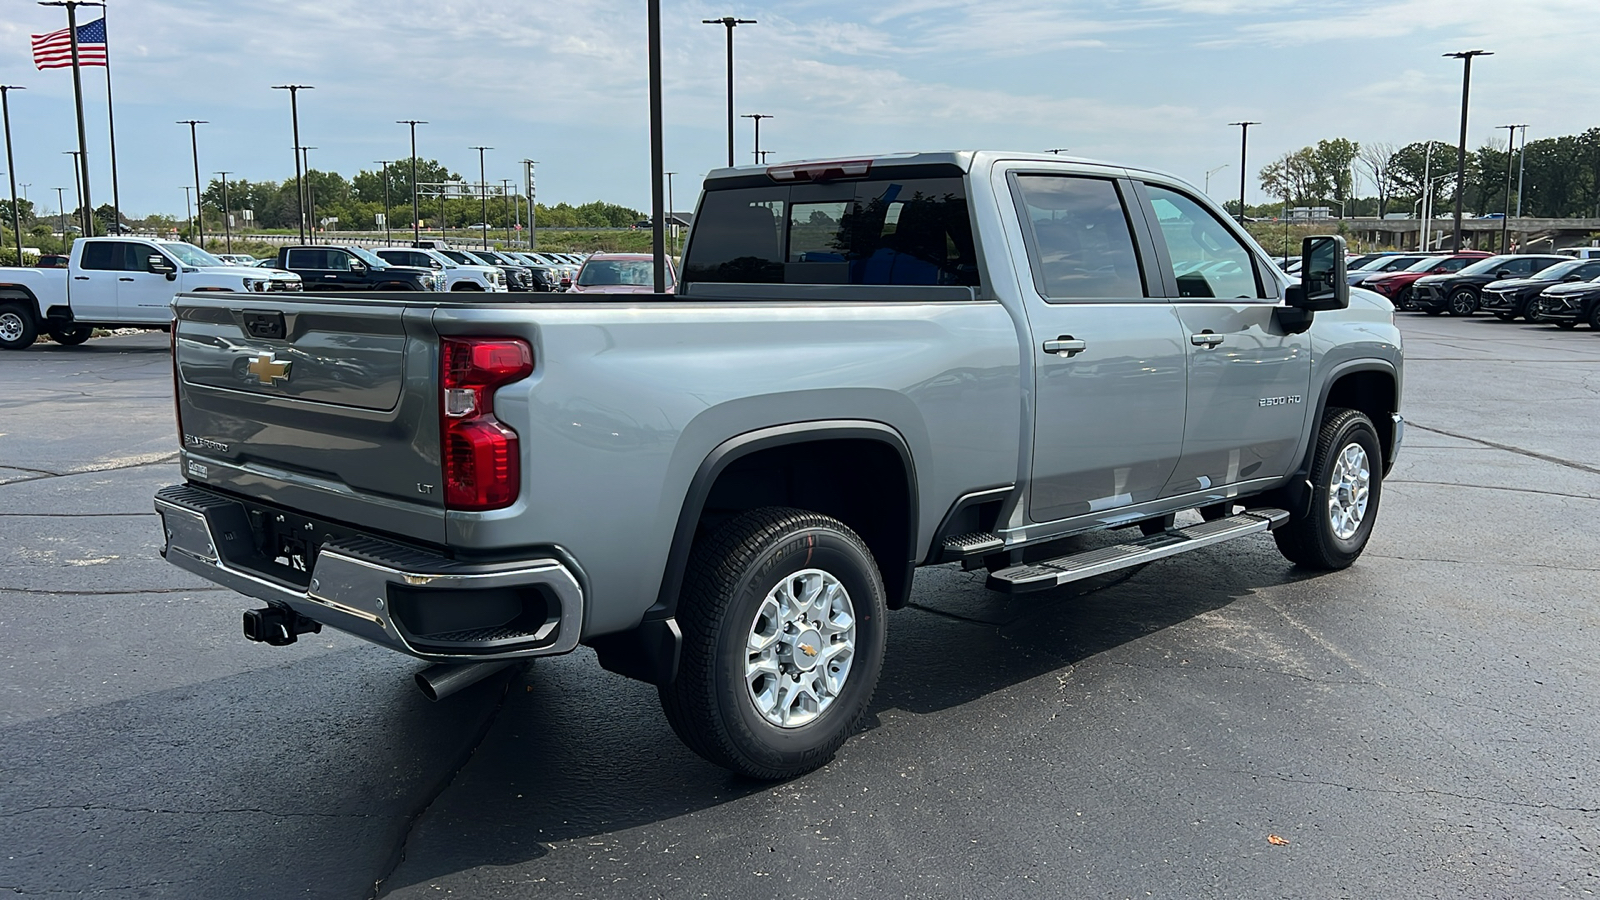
point(1248, 377)
point(317, 269)
point(1108, 356)
point(142, 295)
point(92, 291)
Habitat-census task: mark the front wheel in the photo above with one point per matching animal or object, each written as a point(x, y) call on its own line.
point(1594, 316)
point(71, 335)
point(1347, 480)
point(783, 615)
point(1531, 312)
point(1463, 303)
point(17, 328)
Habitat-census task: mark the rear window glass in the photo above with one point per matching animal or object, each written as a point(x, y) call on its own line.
point(914, 231)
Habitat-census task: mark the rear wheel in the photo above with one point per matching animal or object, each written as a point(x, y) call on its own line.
point(1347, 481)
point(1505, 316)
point(71, 335)
point(1463, 303)
point(17, 328)
point(783, 615)
point(1594, 316)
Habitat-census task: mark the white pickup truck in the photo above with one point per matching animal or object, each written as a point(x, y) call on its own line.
point(116, 282)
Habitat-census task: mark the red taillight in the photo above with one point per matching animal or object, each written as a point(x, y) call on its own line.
point(480, 455)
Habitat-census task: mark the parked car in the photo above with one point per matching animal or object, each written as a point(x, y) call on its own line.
point(1383, 265)
point(1520, 296)
point(521, 279)
point(1457, 293)
point(725, 494)
point(1397, 285)
point(1580, 252)
point(546, 276)
point(332, 268)
point(236, 259)
point(116, 282)
point(457, 277)
point(1566, 304)
point(621, 273)
point(52, 261)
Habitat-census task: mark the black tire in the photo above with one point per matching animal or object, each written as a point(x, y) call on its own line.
point(71, 335)
point(1462, 302)
point(1594, 316)
point(1403, 301)
point(1531, 312)
point(1566, 326)
point(1505, 316)
point(1310, 540)
point(730, 574)
point(18, 331)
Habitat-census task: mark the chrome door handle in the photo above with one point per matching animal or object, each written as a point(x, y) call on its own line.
point(1066, 345)
point(1205, 339)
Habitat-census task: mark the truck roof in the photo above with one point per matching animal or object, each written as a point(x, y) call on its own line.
point(962, 160)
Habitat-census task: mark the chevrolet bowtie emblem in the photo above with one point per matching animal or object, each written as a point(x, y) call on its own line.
point(808, 650)
point(269, 371)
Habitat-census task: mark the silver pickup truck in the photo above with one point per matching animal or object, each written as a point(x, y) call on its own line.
point(869, 366)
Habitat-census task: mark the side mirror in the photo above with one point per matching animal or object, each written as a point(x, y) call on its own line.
point(358, 267)
point(1573, 278)
point(1503, 274)
point(1324, 282)
point(160, 265)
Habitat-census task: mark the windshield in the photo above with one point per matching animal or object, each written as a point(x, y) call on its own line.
point(369, 258)
point(1485, 266)
point(1423, 265)
point(1396, 263)
point(618, 271)
point(190, 255)
point(1560, 270)
point(458, 256)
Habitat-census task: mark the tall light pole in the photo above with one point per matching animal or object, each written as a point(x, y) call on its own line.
point(416, 216)
point(387, 241)
point(1505, 217)
point(505, 191)
point(82, 158)
point(730, 23)
point(194, 148)
point(483, 195)
point(11, 165)
point(294, 114)
point(227, 211)
point(1461, 148)
point(1244, 143)
point(1211, 172)
point(756, 117)
point(533, 206)
point(311, 193)
point(672, 225)
point(658, 250)
point(1522, 157)
point(188, 208)
point(61, 215)
point(77, 184)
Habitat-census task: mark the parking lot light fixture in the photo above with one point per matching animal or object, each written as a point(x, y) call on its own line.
point(311, 194)
point(387, 240)
point(77, 183)
point(483, 195)
point(11, 165)
point(1466, 57)
point(1244, 143)
point(416, 216)
point(757, 117)
point(188, 206)
point(227, 213)
point(199, 194)
point(730, 23)
point(294, 116)
point(61, 213)
point(1505, 217)
point(1211, 172)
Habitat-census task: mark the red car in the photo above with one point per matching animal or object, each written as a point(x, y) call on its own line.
point(1397, 285)
point(621, 273)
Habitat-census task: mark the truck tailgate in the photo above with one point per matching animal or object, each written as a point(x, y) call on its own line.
point(324, 405)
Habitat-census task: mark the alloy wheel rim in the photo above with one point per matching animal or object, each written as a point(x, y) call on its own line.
point(800, 648)
point(1349, 489)
point(10, 327)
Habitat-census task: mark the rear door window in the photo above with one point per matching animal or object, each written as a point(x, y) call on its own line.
point(1207, 260)
point(1079, 240)
point(104, 256)
point(912, 231)
point(308, 258)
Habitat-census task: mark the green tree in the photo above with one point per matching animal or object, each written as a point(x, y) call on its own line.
point(1332, 161)
point(1412, 163)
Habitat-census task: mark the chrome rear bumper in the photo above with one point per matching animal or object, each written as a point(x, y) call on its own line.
point(354, 584)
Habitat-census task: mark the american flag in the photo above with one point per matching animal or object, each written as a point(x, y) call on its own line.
point(54, 50)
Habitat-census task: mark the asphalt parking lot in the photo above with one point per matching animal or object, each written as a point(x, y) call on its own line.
point(1422, 725)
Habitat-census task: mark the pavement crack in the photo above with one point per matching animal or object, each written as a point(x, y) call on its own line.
point(399, 855)
point(1421, 792)
point(1492, 487)
point(1509, 565)
point(1531, 454)
point(1254, 670)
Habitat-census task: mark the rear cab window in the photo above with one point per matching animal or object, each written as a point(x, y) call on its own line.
point(911, 230)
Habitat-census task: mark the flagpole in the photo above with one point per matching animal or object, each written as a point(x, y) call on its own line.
point(111, 119)
point(77, 94)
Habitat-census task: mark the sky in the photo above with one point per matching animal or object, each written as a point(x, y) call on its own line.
point(1145, 82)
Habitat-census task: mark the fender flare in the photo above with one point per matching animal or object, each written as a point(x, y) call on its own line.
point(1297, 492)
